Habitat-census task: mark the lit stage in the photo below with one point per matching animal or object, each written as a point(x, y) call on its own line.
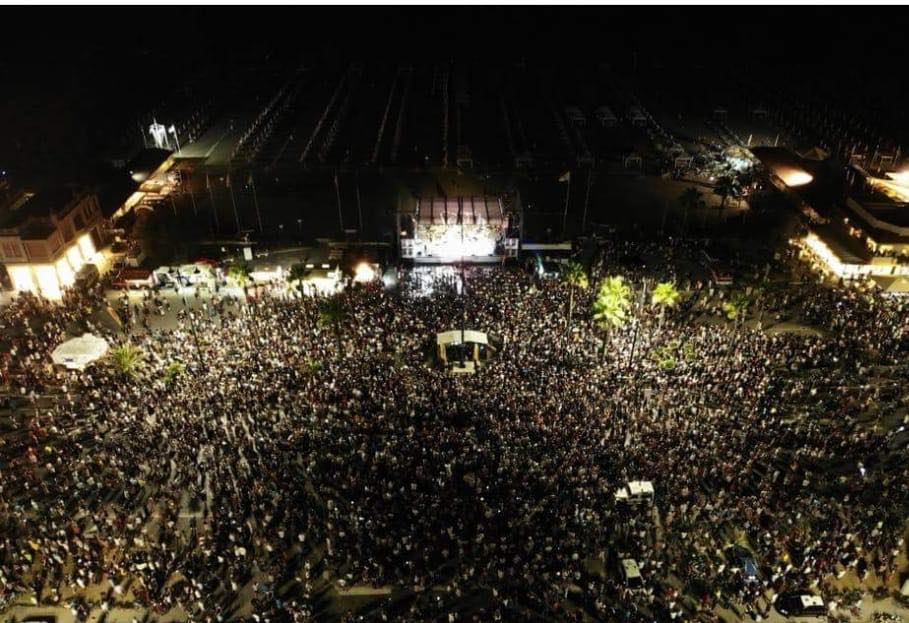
point(449, 230)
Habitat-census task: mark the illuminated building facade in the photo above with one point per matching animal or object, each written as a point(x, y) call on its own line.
point(47, 237)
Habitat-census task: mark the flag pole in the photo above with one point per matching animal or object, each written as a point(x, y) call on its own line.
point(338, 196)
point(359, 208)
point(587, 199)
point(233, 202)
point(252, 182)
point(214, 208)
point(192, 197)
point(567, 196)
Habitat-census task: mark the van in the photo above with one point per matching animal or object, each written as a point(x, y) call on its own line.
point(801, 604)
point(635, 492)
point(631, 573)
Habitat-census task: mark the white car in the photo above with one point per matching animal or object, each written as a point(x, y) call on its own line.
point(631, 573)
point(635, 492)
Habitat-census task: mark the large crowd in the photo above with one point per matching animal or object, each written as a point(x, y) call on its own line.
point(295, 454)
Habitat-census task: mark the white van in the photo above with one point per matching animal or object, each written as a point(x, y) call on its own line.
point(635, 492)
point(631, 573)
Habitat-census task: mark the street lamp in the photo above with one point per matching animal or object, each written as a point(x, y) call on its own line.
point(192, 325)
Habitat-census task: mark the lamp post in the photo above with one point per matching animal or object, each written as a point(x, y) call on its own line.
point(192, 325)
point(189, 187)
point(637, 322)
point(463, 286)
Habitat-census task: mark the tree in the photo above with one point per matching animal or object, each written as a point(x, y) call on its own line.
point(239, 273)
point(725, 188)
point(576, 278)
point(173, 370)
point(298, 272)
point(664, 295)
point(665, 356)
point(691, 200)
point(313, 366)
point(333, 313)
point(735, 307)
point(125, 359)
point(610, 309)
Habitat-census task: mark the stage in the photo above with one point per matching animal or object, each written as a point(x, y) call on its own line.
point(443, 230)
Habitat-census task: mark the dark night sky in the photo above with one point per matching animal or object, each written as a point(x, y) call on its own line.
point(77, 75)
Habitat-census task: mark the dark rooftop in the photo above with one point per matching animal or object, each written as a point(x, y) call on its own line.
point(40, 205)
point(146, 162)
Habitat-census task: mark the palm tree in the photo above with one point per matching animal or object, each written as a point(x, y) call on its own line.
point(725, 188)
point(125, 359)
point(313, 366)
point(332, 313)
point(239, 273)
point(691, 200)
point(610, 309)
point(664, 295)
point(172, 371)
point(298, 272)
point(735, 307)
point(575, 277)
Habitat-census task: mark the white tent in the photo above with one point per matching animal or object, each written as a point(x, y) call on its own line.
point(79, 352)
point(453, 338)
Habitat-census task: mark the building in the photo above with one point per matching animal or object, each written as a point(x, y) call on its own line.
point(47, 237)
point(857, 224)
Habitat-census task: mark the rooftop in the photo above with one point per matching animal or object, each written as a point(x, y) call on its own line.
point(25, 206)
point(146, 163)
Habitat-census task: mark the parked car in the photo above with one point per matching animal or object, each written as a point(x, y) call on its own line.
point(636, 492)
point(800, 604)
point(743, 560)
point(631, 573)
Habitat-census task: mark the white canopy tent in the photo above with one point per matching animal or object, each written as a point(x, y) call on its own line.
point(472, 340)
point(79, 352)
point(448, 338)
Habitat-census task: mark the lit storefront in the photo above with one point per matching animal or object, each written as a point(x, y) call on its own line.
point(826, 259)
point(50, 278)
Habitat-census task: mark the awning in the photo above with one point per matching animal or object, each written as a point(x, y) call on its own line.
point(447, 338)
point(454, 211)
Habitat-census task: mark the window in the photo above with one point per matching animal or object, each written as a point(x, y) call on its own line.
point(11, 250)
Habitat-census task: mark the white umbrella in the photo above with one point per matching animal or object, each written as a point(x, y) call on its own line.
point(79, 352)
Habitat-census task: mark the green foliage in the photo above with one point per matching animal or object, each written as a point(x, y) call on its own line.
point(665, 355)
point(735, 307)
point(665, 294)
point(331, 311)
point(125, 359)
point(610, 309)
point(688, 352)
point(691, 199)
point(239, 273)
point(298, 272)
point(576, 276)
point(173, 370)
point(313, 366)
